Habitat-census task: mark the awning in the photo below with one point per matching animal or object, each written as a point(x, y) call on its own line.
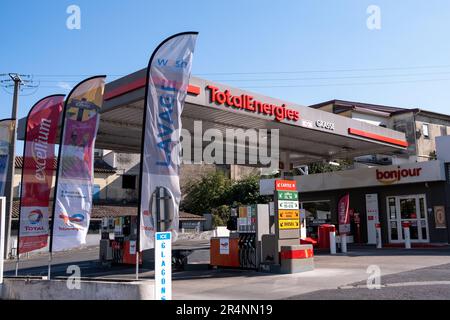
point(316, 135)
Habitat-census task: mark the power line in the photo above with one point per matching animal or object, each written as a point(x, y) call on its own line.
point(294, 79)
point(272, 72)
point(327, 70)
point(326, 84)
point(337, 78)
point(30, 83)
point(348, 84)
point(8, 81)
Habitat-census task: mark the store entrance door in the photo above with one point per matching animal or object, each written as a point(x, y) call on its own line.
point(412, 209)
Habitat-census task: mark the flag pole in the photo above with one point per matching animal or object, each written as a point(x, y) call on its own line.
point(50, 257)
point(137, 264)
point(55, 191)
point(17, 263)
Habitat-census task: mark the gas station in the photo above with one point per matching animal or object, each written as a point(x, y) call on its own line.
point(306, 135)
point(265, 237)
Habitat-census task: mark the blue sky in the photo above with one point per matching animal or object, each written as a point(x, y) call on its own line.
point(405, 63)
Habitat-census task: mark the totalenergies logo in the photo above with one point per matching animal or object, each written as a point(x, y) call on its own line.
point(35, 216)
point(247, 102)
point(77, 218)
point(392, 176)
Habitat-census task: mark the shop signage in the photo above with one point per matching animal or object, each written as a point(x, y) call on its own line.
point(325, 125)
point(439, 217)
point(288, 214)
point(163, 266)
point(392, 176)
point(307, 124)
point(288, 224)
point(248, 102)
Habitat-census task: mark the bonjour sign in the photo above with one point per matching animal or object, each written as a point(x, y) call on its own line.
point(391, 176)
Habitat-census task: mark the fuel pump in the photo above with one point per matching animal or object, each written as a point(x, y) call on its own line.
point(247, 250)
point(106, 252)
point(124, 244)
point(243, 246)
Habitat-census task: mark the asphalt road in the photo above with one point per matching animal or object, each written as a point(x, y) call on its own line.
point(405, 274)
point(87, 259)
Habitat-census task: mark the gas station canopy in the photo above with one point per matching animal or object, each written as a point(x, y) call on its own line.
point(306, 135)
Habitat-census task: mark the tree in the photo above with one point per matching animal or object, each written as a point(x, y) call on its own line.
point(214, 193)
point(433, 155)
point(321, 167)
point(245, 191)
point(206, 193)
point(221, 215)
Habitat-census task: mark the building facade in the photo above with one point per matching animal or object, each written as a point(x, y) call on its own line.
point(421, 127)
point(418, 193)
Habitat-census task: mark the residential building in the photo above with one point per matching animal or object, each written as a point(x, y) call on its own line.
point(420, 126)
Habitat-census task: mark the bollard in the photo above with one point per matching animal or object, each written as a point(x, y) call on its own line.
point(379, 240)
point(344, 243)
point(333, 242)
point(407, 235)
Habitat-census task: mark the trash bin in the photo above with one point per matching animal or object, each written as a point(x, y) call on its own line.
point(324, 235)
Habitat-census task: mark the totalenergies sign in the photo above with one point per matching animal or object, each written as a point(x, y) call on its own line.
point(248, 102)
point(392, 176)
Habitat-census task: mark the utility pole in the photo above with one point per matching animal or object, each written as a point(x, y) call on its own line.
point(9, 185)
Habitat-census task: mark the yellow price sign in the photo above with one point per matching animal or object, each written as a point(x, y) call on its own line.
point(288, 214)
point(288, 224)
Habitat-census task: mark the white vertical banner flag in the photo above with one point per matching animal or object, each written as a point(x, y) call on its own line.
point(168, 76)
point(75, 173)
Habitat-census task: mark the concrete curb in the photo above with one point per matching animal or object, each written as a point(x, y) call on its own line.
point(38, 289)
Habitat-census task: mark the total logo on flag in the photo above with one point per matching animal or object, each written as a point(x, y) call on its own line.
point(35, 216)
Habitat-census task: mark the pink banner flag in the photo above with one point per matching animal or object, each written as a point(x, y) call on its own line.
point(37, 172)
point(74, 180)
point(343, 214)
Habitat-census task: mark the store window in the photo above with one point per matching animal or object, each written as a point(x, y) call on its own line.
point(317, 213)
point(425, 131)
point(128, 182)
